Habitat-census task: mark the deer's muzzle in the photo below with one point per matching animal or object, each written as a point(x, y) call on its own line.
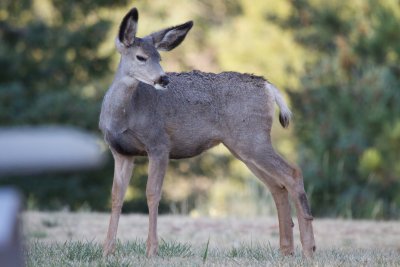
point(163, 80)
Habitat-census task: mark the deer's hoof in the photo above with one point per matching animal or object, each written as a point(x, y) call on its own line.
point(287, 251)
point(308, 253)
point(108, 249)
point(152, 250)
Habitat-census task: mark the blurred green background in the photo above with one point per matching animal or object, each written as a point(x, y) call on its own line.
point(337, 61)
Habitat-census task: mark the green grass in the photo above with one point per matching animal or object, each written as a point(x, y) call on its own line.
point(77, 253)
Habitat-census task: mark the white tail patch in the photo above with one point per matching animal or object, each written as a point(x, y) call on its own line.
point(285, 114)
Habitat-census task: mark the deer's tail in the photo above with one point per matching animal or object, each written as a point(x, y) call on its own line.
point(284, 112)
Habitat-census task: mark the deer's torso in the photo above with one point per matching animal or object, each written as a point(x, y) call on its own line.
point(196, 112)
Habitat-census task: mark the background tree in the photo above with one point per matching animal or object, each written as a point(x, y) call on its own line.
point(346, 108)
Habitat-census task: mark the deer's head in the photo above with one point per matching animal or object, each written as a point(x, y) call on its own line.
point(139, 56)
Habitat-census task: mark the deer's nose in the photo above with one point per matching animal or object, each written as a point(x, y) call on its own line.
point(163, 81)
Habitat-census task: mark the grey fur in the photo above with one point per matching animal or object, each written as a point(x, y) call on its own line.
point(197, 111)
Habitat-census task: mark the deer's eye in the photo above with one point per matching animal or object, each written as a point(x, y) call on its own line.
point(141, 59)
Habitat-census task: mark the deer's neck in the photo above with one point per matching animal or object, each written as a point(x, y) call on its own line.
point(121, 91)
point(117, 101)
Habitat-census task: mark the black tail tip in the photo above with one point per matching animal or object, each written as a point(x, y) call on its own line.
point(284, 120)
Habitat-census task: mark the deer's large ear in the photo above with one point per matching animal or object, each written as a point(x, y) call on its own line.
point(128, 27)
point(170, 38)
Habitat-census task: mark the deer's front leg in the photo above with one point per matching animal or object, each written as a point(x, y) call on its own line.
point(158, 162)
point(123, 167)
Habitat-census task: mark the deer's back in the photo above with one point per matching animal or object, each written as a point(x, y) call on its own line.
point(223, 94)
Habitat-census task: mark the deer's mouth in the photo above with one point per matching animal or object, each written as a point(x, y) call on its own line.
point(163, 80)
point(159, 87)
point(161, 83)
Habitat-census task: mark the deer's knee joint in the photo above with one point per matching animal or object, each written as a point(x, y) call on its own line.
point(277, 190)
point(116, 205)
point(305, 206)
point(153, 196)
point(117, 199)
point(152, 192)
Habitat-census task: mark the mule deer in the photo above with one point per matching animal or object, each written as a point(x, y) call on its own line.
point(195, 112)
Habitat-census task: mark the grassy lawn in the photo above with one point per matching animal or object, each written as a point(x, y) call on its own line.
point(77, 253)
point(74, 239)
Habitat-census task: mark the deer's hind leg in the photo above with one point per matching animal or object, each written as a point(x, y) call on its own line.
point(281, 199)
point(261, 158)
